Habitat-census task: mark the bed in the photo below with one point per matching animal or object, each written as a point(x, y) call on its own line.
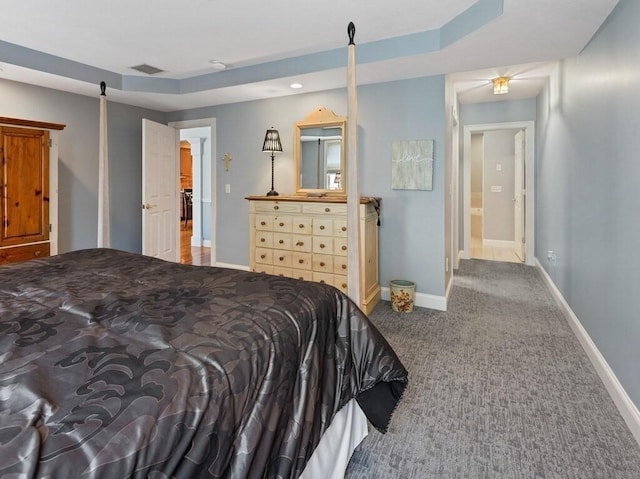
point(118, 365)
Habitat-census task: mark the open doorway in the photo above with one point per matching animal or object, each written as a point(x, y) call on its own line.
point(498, 191)
point(197, 191)
point(192, 251)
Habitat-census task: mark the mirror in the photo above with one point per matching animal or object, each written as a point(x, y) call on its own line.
point(319, 152)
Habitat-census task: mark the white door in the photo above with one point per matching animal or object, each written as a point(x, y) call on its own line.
point(518, 198)
point(160, 215)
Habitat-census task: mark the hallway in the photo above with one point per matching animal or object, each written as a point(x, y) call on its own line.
point(196, 255)
point(488, 252)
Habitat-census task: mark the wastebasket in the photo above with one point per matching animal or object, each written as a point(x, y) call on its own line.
point(403, 294)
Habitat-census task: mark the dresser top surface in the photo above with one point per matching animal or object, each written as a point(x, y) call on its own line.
point(313, 199)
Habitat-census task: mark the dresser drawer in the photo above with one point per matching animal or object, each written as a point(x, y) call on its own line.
point(264, 239)
point(302, 243)
point(340, 228)
point(280, 271)
point(16, 254)
point(323, 227)
point(323, 245)
point(323, 263)
point(340, 282)
point(282, 258)
point(263, 268)
point(324, 278)
point(301, 260)
point(302, 274)
point(302, 226)
point(340, 246)
point(264, 256)
point(326, 208)
point(340, 264)
point(282, 224)
point(282, 240)
point(264, 222)
point(276, 207)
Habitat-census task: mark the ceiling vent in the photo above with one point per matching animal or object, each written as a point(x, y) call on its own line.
point(148, 69)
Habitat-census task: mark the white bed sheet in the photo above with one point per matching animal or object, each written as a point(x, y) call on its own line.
point(331, 458)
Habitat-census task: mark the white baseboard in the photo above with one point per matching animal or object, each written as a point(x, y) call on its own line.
point(423, 300)
point(231, 266)
point(498, 243)
point(623, 402)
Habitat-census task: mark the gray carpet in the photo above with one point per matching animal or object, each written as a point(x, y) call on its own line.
point(499, 388)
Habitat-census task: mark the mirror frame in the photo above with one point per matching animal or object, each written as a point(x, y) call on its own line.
point(320, 117)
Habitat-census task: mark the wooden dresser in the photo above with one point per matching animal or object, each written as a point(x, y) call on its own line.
point(24, 176)
point(306, 238)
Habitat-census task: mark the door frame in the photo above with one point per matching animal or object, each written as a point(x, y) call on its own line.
point(211, 123)
point(529, 171)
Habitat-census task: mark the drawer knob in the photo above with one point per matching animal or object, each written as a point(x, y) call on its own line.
point(263, 223)
point(37, 253)
point(300, 226)
point(281, 258)
point(300, 243)
point(322, 264)
point(322, 281)
point(344, 285)
point(281, 241)
point(344, 228)
point(321, 227)
point(262, 240)
point(301, 261)
point(326, 210)
point(263, 256)
point(321, 245)
point(281, 224)
point(344, 266)
point(344, 248)
point(276, 207)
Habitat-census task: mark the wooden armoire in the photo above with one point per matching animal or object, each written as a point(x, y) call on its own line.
point(24, 198)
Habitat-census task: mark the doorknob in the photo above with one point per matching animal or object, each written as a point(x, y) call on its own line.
point(146, 206)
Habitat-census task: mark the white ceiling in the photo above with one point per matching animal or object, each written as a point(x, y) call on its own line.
point(71, 45)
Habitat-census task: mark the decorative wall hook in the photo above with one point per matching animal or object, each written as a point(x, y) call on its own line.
point(227, 159)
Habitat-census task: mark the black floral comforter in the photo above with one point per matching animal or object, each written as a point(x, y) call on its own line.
point(116, 365)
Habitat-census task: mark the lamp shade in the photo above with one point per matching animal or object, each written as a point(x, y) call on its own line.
point(272, 141)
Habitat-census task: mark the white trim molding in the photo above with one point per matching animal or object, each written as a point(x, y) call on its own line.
point(491, 243)
point(529, 128)
point(623, 402)
point(422, 300)
point(231, 266)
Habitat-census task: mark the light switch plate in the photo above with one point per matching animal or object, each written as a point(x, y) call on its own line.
point(496, 189)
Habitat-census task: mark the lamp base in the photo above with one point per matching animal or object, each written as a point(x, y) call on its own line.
point(272, 193)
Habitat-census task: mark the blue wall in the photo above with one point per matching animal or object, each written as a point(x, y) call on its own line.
point(78, 161)
point(587, 189)
point(412, 229)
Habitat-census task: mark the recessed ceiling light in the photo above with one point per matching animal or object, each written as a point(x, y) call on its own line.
point(218, 65)
point(296, 85)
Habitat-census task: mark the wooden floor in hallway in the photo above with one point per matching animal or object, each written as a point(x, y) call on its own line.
point(196, 255)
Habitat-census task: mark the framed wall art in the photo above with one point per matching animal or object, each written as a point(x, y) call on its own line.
point(412, 165)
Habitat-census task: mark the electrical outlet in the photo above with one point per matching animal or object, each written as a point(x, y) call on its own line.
point(227, 188)
point(551, 257)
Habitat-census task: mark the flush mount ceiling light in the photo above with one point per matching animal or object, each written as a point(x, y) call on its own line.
point(500, 85)
point(218, 65)
point(296, 85)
